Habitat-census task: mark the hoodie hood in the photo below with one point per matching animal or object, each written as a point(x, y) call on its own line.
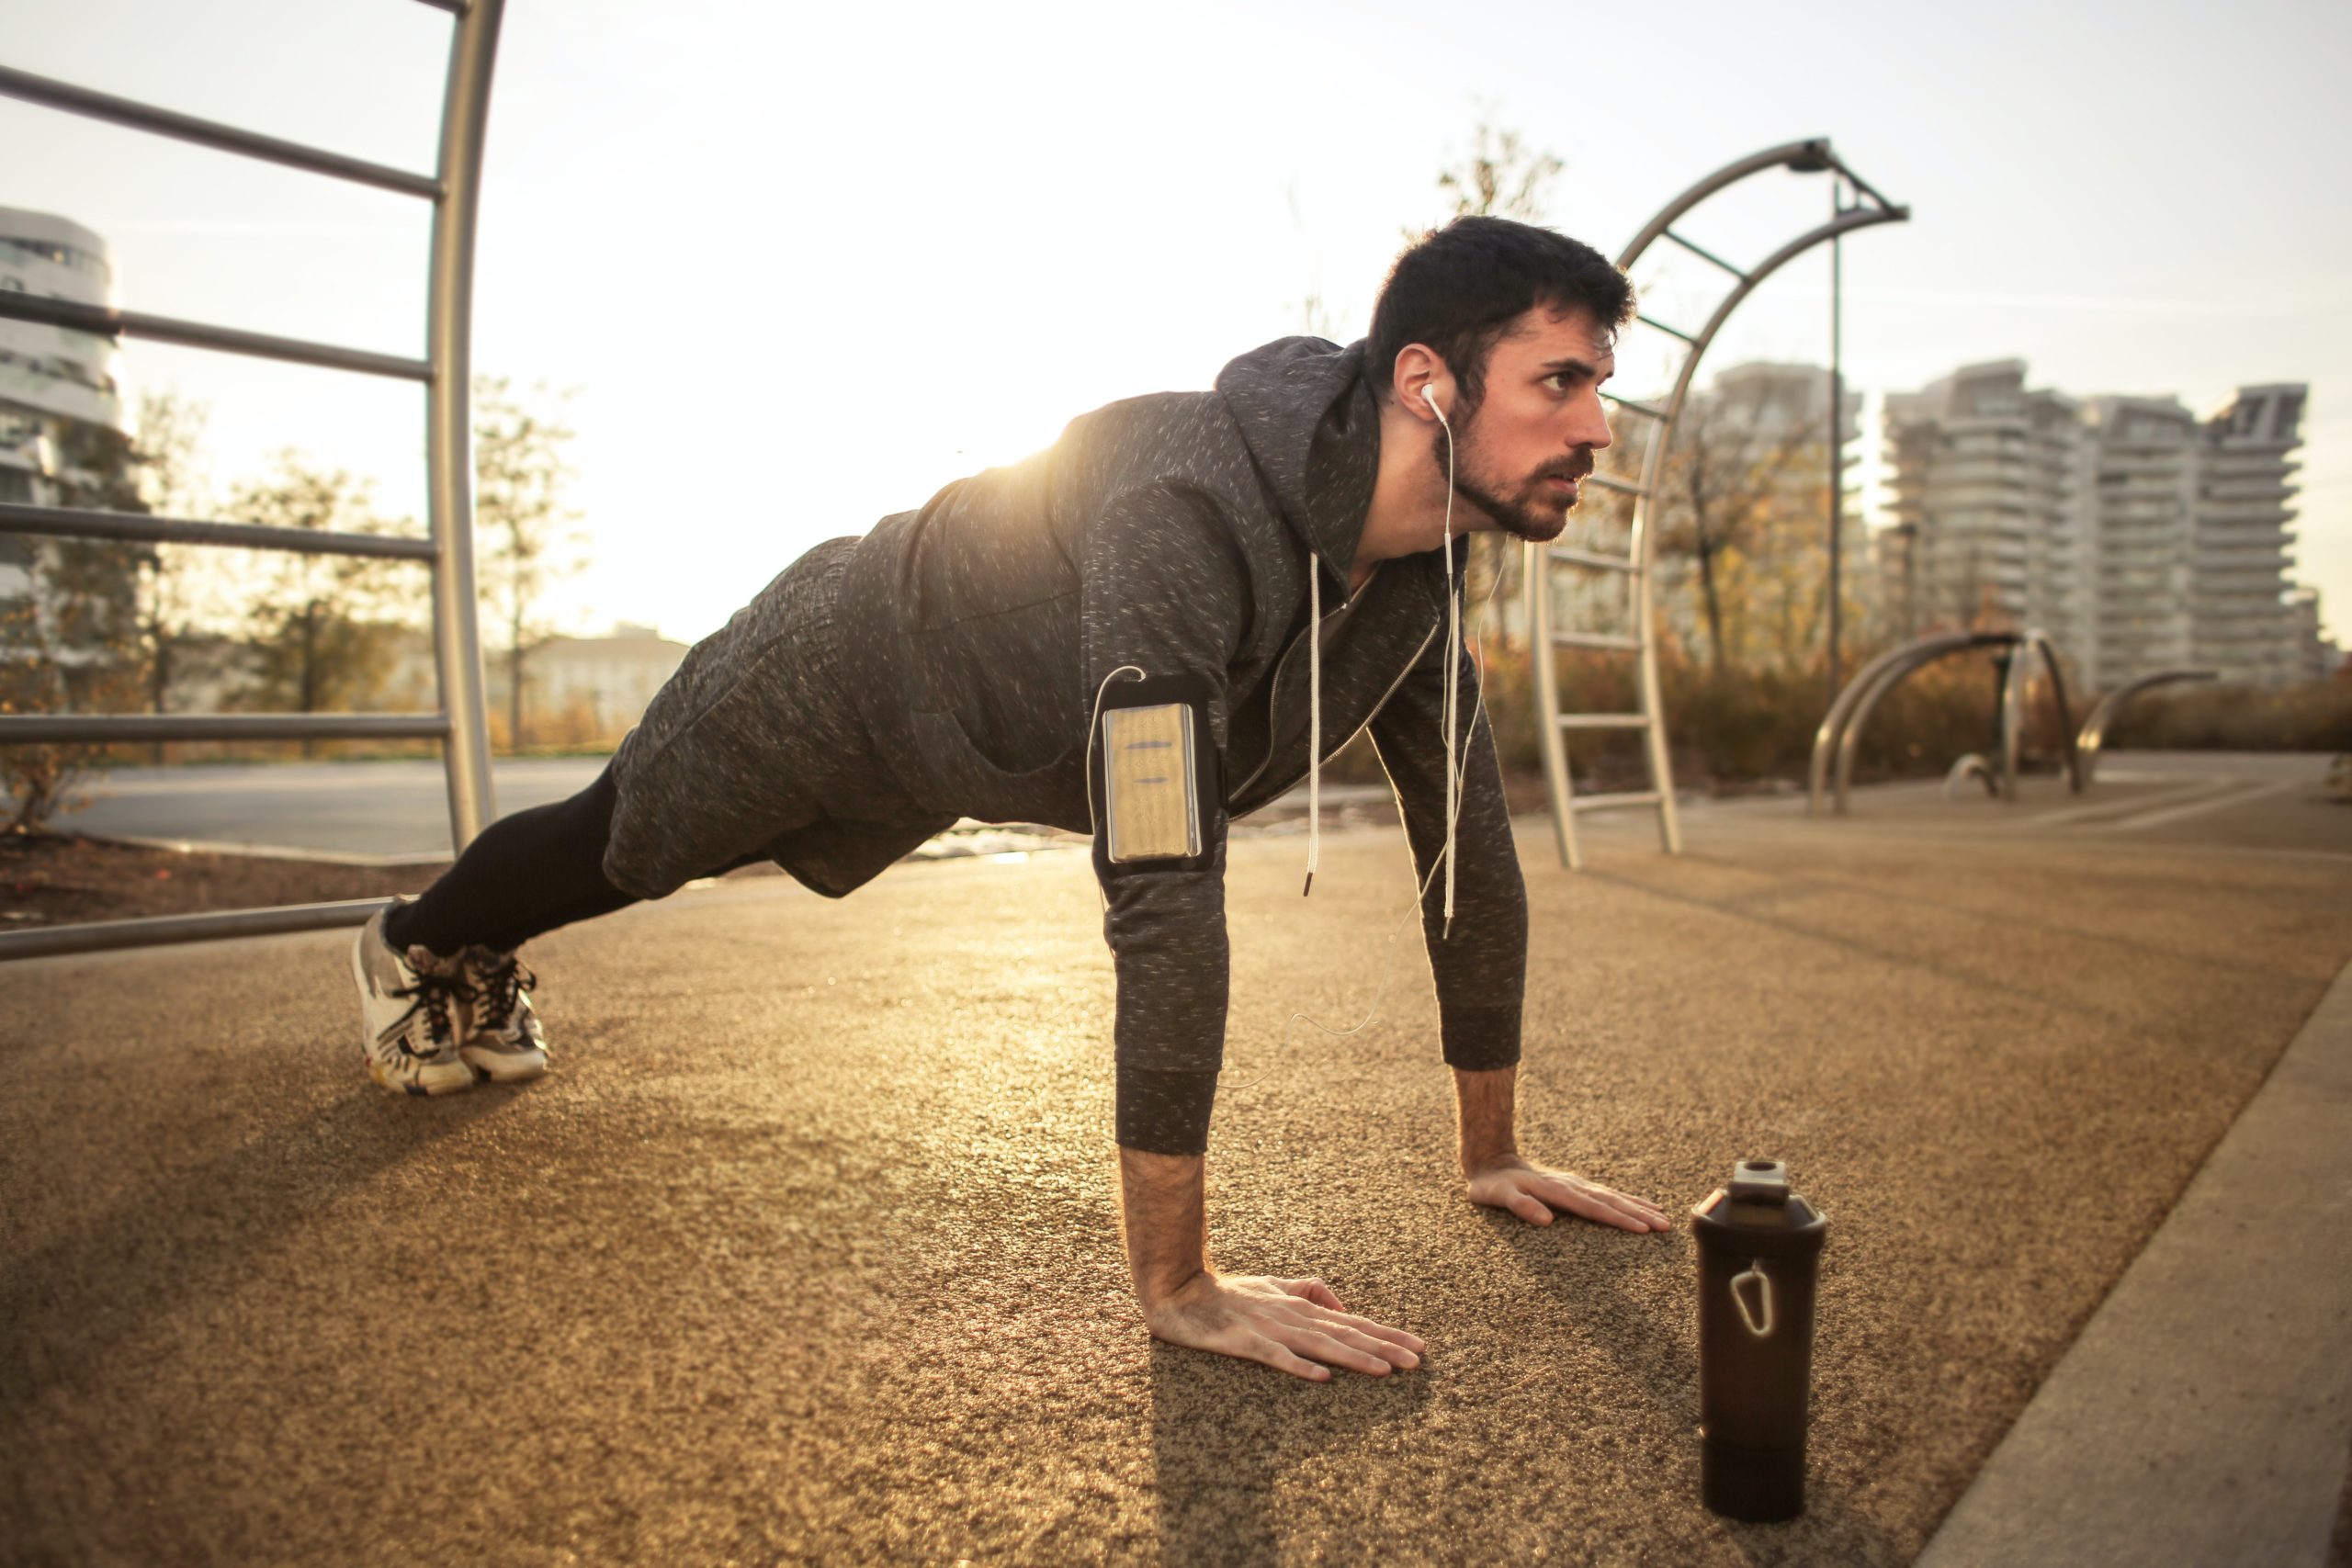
point(1313, 430)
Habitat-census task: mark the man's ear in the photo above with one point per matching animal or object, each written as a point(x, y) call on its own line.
point(1418, 370)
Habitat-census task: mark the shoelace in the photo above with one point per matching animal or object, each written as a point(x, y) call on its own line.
point(504, 978)
point(434, 996)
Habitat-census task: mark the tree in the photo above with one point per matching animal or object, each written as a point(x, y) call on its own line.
point(1734, 479)
point(522, 520)
point(322, 629)
point(179, 593)
point(69, 642)
point(1501, 177)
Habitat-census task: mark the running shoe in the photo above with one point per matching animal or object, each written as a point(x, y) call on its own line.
point(507, 1043)
point(414, 1011)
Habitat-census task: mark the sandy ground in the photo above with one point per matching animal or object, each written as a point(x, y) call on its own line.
point(806, 1251)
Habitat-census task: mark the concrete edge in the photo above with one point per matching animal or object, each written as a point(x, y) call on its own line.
point(2204, 1415)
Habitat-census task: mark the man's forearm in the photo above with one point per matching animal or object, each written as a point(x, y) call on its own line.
point(1485, 1116)
point(1162, 1200)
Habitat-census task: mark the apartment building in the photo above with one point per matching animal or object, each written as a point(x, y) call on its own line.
point(2139, 537)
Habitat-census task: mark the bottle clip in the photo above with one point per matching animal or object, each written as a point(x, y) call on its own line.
point(1758, 1322)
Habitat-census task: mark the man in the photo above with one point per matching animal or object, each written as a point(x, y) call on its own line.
point(1121, 635)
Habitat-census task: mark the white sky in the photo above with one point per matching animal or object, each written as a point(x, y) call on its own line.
point(808, 263)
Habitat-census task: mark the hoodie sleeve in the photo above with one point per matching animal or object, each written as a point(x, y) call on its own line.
point(1481, 970)
point(1165, 591)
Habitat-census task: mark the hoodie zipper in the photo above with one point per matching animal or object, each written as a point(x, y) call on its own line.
point(1284, 663)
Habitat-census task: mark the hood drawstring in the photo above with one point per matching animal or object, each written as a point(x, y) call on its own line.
point(1454, 656)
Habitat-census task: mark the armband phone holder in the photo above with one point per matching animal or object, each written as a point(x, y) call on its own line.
point(1155, 777)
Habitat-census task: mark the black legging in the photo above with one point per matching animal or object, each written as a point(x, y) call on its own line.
point(523, 876)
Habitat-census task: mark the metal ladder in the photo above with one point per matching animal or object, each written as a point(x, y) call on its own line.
point(446, 371)
point(1544, 639)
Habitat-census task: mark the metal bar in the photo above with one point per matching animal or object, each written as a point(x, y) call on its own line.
point(1604, 720)
point(1703, 253)
point(34, 729)
point(1597, 639)
point(455, 7)
point(2066, 715)
point(110, 323)
point(1636, 406)
point(1623, 798)
point(1837, 427)
point(1538, 580)
point(1779, 157)
point(2094, 733)
point(77, 523)
point(448, 437)
point(1661, 326)
point(222, 138)
point(1611, 481)
point(102, 936)
point(1901, 665)
point(1574, 557)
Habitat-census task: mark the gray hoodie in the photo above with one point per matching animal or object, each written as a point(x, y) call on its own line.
point(1174, 533)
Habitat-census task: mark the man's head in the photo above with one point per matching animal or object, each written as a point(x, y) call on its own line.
point(1511, 329)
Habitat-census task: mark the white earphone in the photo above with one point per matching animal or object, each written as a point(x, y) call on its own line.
point(1429, 396)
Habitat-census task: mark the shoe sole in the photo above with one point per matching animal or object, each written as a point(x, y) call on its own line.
point(418, 1086)
point(500, 1068)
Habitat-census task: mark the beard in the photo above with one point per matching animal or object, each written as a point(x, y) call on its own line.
point(1528, 510)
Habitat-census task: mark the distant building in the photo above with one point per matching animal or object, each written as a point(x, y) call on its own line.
point(51, 378)
point(605, 681)
point(1988, 480)
point(1761, 431)
point(2138, 537)
point(2316, 658)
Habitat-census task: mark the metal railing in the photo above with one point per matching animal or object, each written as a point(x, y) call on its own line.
point(1869, 207)
point(446, 373)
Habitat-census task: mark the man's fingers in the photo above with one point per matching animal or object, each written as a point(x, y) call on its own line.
point(1328, 1348)
point(1314, 1291)
point(1527, 1207)
point(1381, 1331)
point(1605, 1204)
point(1282, 1359)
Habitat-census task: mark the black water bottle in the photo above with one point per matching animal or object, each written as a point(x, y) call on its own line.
point(1759, 1250)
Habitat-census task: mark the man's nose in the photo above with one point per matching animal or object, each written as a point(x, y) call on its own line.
point(1592, 425)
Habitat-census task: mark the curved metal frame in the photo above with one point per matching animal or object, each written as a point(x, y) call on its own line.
point(2013, 700)
point(1840, 733)
point(2093, 736)
point(1891, 675)
point(1971, 766)
point(1813, 155)
point(461, 722)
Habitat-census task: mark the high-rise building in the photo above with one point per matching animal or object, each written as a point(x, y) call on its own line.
point(51, 378)
point(1988, 483)
point(2138, 537)
point(2240, 551)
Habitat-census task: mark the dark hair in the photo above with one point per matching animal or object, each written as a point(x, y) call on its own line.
point(1456, 289)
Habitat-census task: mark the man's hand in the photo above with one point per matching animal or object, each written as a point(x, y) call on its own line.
point(1532, 1191)
point(1289, 1325)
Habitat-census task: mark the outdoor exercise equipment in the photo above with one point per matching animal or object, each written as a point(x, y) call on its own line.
point(446, 374)
point(1866, 207)
point(1759, 1253)
point(1838, 739)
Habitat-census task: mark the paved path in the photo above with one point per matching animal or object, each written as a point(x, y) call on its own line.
point(359, 807)
point(806, 1251)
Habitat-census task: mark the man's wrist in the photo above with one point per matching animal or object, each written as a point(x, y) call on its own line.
point(1161, 1202)
point(1487, 1119)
